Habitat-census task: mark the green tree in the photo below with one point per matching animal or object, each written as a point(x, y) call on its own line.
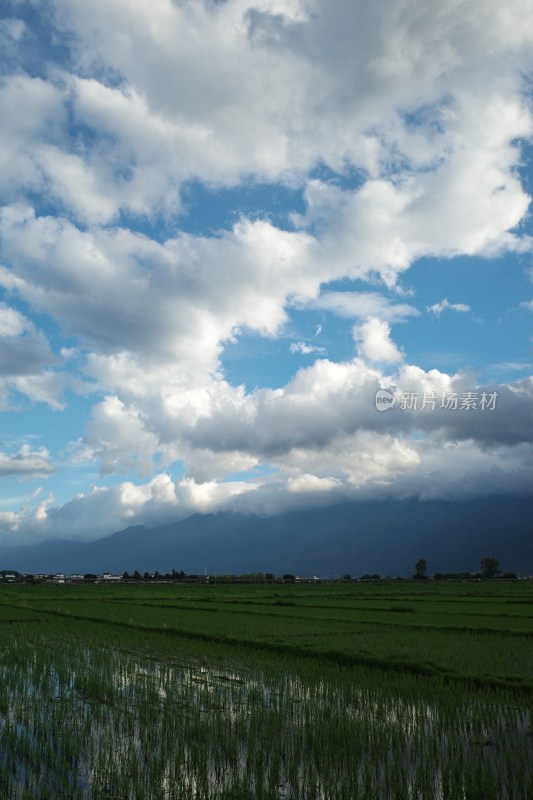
point(289, 578)
point(489, 567)
point(421, 567)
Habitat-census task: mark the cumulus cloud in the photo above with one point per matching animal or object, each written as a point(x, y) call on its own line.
point(25, 361)
point(201, 289)
point(26, 463)
point(117, 436)
point(374, 342)
point(322, 420)
point(23, 349)
point(365, 466)
point(93, 514)
point(402, 96)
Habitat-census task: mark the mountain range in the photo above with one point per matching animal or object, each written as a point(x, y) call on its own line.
point(385, 537)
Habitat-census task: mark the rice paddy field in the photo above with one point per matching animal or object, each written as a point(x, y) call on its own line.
point(385, 691)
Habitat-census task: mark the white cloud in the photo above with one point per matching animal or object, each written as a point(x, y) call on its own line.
point(200, 289)
point(445, 305)
point(374, 342)
point(32, 111)
point(353, 305)
point(118, 437)
point(25, 358)
point(102, 510)
point(26, 463)
point(267, 90)
point(25, 354)
point(311, 484)
point(306, 349)
point(12, 322)
point(315, 424)
point(322, 435)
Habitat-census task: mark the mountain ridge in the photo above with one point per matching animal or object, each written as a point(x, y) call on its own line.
point(385, 537)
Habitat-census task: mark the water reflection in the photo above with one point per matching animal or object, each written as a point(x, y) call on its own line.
point(100, 723)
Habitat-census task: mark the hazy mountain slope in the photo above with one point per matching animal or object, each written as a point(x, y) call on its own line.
point(386, 537)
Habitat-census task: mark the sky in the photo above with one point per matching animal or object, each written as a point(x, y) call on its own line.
point(259, 255)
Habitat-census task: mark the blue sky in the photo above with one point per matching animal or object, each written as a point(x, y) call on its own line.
point(225, 226)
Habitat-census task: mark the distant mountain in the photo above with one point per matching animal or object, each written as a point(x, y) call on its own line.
point(384, 537)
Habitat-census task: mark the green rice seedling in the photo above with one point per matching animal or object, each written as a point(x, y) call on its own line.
point(109, 708)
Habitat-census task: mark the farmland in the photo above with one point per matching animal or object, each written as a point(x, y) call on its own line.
point(385, 690)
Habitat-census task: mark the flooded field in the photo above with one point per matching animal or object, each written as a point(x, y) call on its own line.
point(109, 720)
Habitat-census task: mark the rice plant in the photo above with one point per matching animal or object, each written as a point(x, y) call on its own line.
point(82, 719)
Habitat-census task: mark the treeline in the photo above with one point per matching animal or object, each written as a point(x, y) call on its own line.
point(182, 577)
point(489, 570)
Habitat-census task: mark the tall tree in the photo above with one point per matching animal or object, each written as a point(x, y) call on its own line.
point(421, 569)
point(489, 567)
